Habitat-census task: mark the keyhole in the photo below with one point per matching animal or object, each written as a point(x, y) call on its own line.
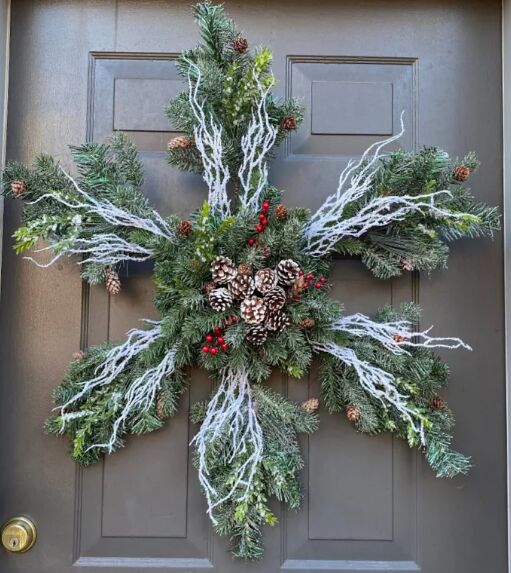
point(13, 542)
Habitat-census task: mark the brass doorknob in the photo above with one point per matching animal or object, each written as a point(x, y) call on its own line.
point(18, 534)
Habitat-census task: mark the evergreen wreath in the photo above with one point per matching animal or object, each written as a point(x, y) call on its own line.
point(242, 288)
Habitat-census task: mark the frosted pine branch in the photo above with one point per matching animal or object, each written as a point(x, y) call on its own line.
point(115, 362)
point(208, 140)
point(378, 383)
point(394, 335)
point(139, 397)
point(231, 418)
point(256, 145)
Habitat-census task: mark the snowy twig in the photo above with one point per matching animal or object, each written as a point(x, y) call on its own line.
point(378, 383)
point(208, 140)
point(394, 335)
point(231, 419)
point(256, 144)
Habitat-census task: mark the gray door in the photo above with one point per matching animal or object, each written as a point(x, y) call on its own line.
point(80, 69)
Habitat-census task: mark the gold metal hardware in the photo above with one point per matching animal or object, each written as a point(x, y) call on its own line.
point(18, 534)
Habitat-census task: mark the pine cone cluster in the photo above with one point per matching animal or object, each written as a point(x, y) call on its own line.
point(18, 188)
point(112, 281)
point(220, 299)
point(461, 173)
point(180, 142)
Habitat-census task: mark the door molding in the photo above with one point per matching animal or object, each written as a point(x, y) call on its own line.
point(5, 26)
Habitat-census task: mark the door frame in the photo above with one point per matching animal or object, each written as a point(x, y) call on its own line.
point(5, 20)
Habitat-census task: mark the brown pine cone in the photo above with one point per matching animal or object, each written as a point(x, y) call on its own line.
point(220, 299)
point(353, 413)
point(245, 269)
point(253, 310)
point(18, 188)
point(184, 228)
point(461, 173)
point(180, 142)
point(112, 281)
point(275, 299)
point(281, 211)
point(208, 287)
point(407, 265)
point(277, 321)
point(241, 286)
point(265, 251)
point(240, 45)
point(310, 405)
point(265, 280)
point(287, 272)
point(257, 335)
point(399, 338)
point(288, 123)
point(223, 270)
point(298, 288)
point(80, 355)
point(437, 403)
point(307, 323)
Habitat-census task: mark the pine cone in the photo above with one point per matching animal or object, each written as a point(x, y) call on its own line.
point(220, 299)
point(407, 265)
point(223, 270)
point(265, 251)
point(277, 321)
point(437, 403)
point(257, 335)
point(287, 271)
point(208, 287)
point(281, 211)
point(112, 281)
point(274, 299)
point(180, 142)
point(353, 413)
point(288, 123)
point(265, 280)
point(298, 288)
point(241, 286)
point(461, 173)
point(399, 338)
point(80, 355)
point(253, 310)
point(307, 323)
point(184, 228)
point(310, 405)
point(245, 269)
point(240, 45)
point(18, 188)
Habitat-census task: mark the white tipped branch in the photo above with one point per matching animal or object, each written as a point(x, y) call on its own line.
point(139, 397)
point(231, 419)
point(329, 224)
point(394, 335)
point(104, 248)
point(256, 144)
point(208, 141)
point(378, 383)
point(115, 362)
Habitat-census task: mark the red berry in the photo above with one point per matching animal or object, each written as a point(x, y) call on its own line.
point(209, 338)
point(262, 217)
point(225, 347)
point(322, 279)
point(220, 340)
point(234, 319)
point(217, 331)
point(251, 242)
point(300, 273)
point(266, 205)
point(206, 349)
point(214, 351)
point(259, 228)
point(318, 285)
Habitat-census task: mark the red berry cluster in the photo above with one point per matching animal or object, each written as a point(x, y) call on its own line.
point(316, 282)
point(263, 221)
point(215, 342)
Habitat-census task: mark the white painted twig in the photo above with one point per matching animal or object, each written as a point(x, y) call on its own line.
point(208, 141)
point(256, 144)
point(394, 335)
point(231, 418)
point(379, 384)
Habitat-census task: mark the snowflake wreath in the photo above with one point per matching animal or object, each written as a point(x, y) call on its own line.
point(242, 288)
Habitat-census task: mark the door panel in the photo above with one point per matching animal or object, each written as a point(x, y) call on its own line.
point(81, 70)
